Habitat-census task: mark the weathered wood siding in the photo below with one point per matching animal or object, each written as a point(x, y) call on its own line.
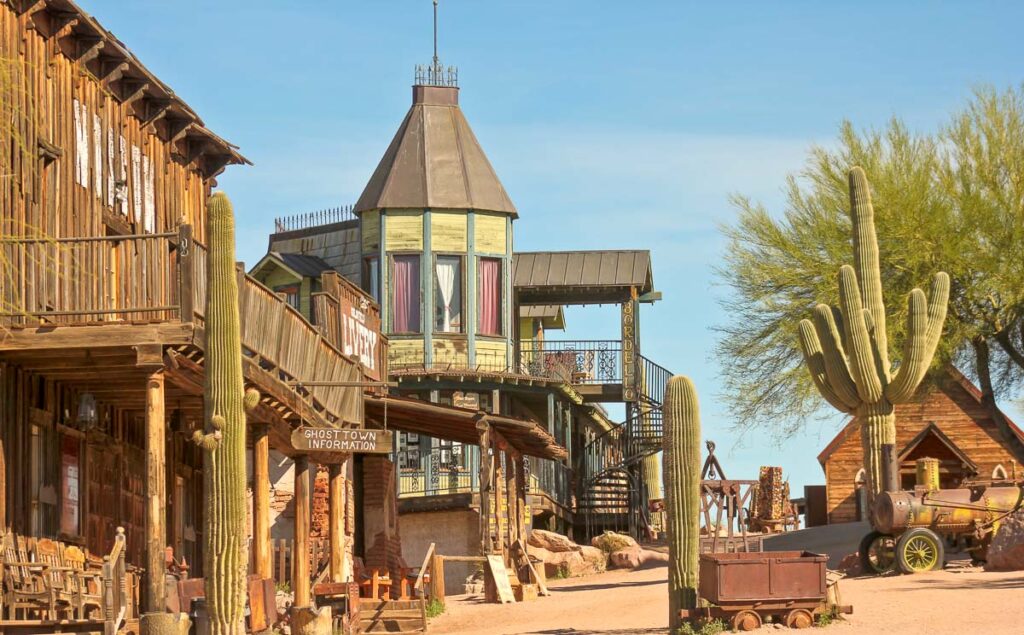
point(369, 228)
point(404, 231)
point(101, 141)
point(490, 233)
point(450, 350)
point(448, 231)
point(337, 244)
point(491, 354)
point(953, 410)
point(405, 352)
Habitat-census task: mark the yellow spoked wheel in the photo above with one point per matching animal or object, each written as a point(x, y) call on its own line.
point(877, 553)
point(920, 550)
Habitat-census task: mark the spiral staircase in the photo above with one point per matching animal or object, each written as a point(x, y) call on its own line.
point(612, 493)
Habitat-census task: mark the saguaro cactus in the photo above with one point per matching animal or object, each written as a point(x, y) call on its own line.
point(225, 550)
point(681, 445)
point(846, 349)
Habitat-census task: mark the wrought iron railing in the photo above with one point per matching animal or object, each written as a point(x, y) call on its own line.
point(584, 361)
point(314, 219)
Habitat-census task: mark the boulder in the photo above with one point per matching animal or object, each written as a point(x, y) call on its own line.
point(551, 541)
point(540, 553)
point(597, 559)
point(1006, 553)
point(636, 557)
point(611, 541)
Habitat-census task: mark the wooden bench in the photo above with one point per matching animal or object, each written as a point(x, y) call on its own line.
point(375, 583)
point(48, 581)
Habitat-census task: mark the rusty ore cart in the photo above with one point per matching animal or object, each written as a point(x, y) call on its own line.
point(747, 588)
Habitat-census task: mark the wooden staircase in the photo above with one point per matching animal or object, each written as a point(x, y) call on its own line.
point(392, 616)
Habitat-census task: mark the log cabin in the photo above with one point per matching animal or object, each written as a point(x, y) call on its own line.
point(946, 421)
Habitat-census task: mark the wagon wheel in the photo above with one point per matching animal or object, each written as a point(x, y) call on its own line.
point(799, 618)
point(877, 553)
point(746, 621)
point(920, 550)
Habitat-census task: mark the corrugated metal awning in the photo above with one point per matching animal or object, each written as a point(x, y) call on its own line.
point(581, 277)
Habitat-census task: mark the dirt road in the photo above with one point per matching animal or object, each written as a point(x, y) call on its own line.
point(951, 602)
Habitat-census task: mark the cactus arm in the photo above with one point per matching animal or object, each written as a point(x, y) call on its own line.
point(862, 357)
point(925, 318)
point(815, 360)
point(836, 369)
point(682, 464)
point(865, 255)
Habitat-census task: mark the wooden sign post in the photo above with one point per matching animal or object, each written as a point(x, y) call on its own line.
point(346, 440)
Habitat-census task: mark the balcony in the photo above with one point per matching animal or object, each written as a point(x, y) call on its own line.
point(151, 288)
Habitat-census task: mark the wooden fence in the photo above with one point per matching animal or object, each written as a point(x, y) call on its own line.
point(283, 552)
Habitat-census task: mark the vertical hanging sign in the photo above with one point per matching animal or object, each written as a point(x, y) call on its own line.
point(629, 352)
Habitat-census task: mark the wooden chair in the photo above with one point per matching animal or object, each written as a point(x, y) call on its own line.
point(58, 578)
point(24, 586)
point(86, 582)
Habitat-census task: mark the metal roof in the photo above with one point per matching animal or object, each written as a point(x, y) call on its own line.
point(435, 161)
point(580, 277)
point(300, 264)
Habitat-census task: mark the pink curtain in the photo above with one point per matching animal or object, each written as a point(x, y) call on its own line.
point(490, 296)
point(405, 295)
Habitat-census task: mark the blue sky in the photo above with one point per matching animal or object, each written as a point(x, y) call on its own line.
point(611, 124)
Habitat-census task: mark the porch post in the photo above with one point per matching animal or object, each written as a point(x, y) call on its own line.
point(156, 494)
point(262, 556)
point(486, 472)
point(300, 549)
point(337, 521)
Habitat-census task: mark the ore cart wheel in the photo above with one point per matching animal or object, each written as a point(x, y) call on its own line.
point(745, 621)
point(877, 553)
point(920, 550)
point(799, 618)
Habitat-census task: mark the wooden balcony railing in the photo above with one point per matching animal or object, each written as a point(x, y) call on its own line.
point(279, 337)
point(88, 280)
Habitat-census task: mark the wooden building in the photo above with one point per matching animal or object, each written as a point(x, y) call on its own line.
point(104, 178)
point(946, 421)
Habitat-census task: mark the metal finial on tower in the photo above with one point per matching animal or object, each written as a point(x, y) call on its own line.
point(436, 62)
point(434, 74)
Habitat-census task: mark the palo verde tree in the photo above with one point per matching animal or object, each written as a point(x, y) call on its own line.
point(951, 201)
point(846, 348)
point(225, 548)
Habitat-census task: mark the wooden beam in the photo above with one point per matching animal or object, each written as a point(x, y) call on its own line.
point(107, 335)
point(109, 69)
point(300, 550)
point(131, 90)
point(177, 128)
point(153, 109)
point(87, 48)
point(337, 521)
point(156, 495)
point(149, 355)
point(262, 553)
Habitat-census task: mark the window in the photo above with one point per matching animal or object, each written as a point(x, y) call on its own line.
point(405, 294)
point(371, 277)
point(290, 293)
point(489, 319)
point(448, 294)
point(408, 451)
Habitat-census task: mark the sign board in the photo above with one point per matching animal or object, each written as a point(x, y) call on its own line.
point(629, 352)
point(501, 581)
point(347, 440)
point(360, 330)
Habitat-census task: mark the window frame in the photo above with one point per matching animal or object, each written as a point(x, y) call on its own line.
point(502, 327)
point(391, 290)
point(285, 290)
point(371, 264)
point(463, 281)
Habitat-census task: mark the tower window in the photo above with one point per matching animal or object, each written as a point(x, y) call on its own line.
point(371, 277)
point(489, 321)
point(405, 294)
point(448, 294)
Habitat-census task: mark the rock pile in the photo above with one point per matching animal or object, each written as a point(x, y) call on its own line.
point(562, 557)
point(1006, 553)
point(625, 553)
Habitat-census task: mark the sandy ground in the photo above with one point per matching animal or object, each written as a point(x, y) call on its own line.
point(957, 601)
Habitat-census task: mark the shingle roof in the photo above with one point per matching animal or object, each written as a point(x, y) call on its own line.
point(305, 266)
point(435, 161)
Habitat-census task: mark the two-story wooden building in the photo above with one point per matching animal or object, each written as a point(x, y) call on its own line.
point(104, 178)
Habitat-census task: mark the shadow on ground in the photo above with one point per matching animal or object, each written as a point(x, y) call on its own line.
point(589, 631)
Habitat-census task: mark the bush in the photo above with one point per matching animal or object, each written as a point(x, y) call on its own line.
point(710, 627)
point(435, 607)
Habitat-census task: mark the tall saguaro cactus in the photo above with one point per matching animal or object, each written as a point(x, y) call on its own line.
point(681, 445)
point(846, 350)
point(225, 550)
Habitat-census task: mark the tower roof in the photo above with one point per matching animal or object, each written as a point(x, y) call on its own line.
point(435, 161)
